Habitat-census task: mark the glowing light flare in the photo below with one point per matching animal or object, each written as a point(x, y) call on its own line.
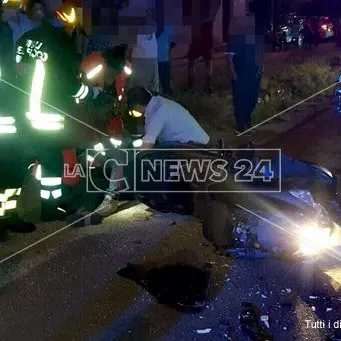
point(313, 239)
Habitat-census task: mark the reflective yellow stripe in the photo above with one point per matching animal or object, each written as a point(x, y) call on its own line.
point(94, 72)
point(86, 92)
point(47, 125)
point(10, 205)
point(51, 181)
point(45, 194)
point(7, 120)
point(57, 193)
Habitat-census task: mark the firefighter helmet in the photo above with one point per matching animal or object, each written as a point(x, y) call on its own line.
point(67, 15)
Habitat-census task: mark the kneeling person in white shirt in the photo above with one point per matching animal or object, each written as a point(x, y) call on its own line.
point(166, 121)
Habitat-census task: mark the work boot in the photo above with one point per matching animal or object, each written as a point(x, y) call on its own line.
point(108, 206)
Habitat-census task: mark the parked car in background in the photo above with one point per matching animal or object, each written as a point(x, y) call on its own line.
point(326, 28)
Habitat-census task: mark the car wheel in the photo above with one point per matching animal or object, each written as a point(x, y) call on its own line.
point(218, 225)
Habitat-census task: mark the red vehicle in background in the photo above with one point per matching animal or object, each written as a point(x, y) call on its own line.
point(325, 27)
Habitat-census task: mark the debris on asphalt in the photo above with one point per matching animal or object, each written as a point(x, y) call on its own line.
point(265, 320)
point(263, 296)
point(252, 324)
point(329, 309)
point(313, 308)
point(204, 331)
point(313, 297)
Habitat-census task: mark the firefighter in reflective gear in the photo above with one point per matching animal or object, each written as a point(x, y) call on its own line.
point(108, 70)
point(67, 16)
point(52, 67)
point(13, 157)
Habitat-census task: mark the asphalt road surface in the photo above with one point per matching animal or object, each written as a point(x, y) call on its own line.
point(68, 286)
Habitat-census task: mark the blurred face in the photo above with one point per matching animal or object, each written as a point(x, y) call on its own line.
point(37, 12)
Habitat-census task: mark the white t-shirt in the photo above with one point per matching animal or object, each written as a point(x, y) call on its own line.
point(146, 46)
point(167, 121)
point(144, 42)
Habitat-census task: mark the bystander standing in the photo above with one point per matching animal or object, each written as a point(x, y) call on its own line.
point(165, 33)
point(245, 60)
point(28, 19)
point(144, 50)
point(202, 44)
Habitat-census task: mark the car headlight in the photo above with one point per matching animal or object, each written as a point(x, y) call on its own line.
point(137, 143)
point(314, 239)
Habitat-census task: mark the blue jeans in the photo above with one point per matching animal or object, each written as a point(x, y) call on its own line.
point(245, 98)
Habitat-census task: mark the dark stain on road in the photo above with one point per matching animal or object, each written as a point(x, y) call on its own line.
point(182, 287)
